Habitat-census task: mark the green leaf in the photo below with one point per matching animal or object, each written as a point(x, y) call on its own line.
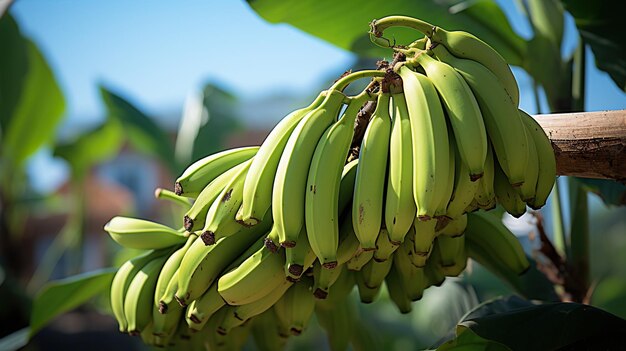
point(63, 295)
point(13, 67)
point(142, 132)
point(39, 109)
point(91, 147)
point(208, 120)
point(521, 325)
point(601, 24)
point(466, 339)
point(346, 23)
point(610, 191)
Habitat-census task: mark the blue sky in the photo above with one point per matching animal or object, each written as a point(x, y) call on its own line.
point(157, 52)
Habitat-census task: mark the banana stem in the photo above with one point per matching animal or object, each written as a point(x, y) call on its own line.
point(343, 82)
point(579, 239)
point(377, 27)
point(578, 77)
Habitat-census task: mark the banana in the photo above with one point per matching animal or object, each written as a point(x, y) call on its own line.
point(298, 258)
point(504, 126)
point(374, 272)
point(323, 184)
point(546, 160)
point(324, 278)
point(337, 318)
point(412, 277)
point(366, 294)
point(527, 190)
point(195, 217)
point(400, 208)
point(455, 227)
point(203, 171)
point(397, 292)
point(384, 246)
point(369, 186)
point(418, 259)
point(237, 315)
point(485, 195)
point(203, 264)
point(461, 44)
point(202, 308)
point(348, 181)
point(296, 307)
point(138, 302)
point(487, 232)
point(164, 194)
point(433, 274)
point(220, 219)
point(121, 282)
point(241, 285)
point(429, 134)
point(462, 110)
point(359, 260)
point(134, 233)
point(453, 257)
point(165, 324)
point(424, 235)
point(441, 213)
point(464, 188)
point(506, 195)
point(349, 244)
point(265, 332)
point(288, 194)
point(257, 188)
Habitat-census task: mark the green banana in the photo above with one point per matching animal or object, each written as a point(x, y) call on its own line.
point(134, 233)
point(455, 227)
point(485, 195)
point(429, 133)
point(464, 189)
point(165, 324)
point(452, 256)
point(504, 126)
point(397, 292)
point(384, 246)
point(487, 232)
point(400, 207)
point(424, 235)
point(506, 195)
point(359, 260)
point(288, 197)
point(369, 186)
point(337, 318)
point(546, 160)
point(203, 264)
point(237, 315)
point(296, 307)
point(366, 294)
point(200, 173)
point(257, 188)
point(201, 309)
point(164, 194)
point(527, 190)
point(441, 213)
point(195, 217)
point(412, 277)
point(265, 332)
point(374, 272)
point(462, 110)
point(299, 258)
point(121, 282)
point(241, 285)
point(324, 278)
point(323, 184)
point(138, 302)
point(220, 219)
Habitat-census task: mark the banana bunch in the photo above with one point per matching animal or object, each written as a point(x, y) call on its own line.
point(276, 233)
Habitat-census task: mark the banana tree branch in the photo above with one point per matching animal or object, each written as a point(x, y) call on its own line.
point(588, 144)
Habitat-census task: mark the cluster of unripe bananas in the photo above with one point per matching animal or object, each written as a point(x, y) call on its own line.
point(281, 231)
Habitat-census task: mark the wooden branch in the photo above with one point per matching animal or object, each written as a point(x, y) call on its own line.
point(588, 144)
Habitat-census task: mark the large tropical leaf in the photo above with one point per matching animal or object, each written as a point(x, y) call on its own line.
point(141, 131)
point(63, 295)
point(345, 23)
point(31, 102)
point(601, 25)
point(522, 325)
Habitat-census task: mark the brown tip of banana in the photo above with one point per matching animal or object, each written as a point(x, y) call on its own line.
point(180, 301)
point(475, 177)
point(295, 270)
point(195, 319)
point(221, 331)
point(162, 307)
point(178, 189)
point(320, 294)
point(288, 243)
point(368, 248)
point(134, 333)
point(270, 245)
point(330, 265)
point(188, 223)
point(517, 185)
point(208, 238)
point(423, 218)
point(295, 331)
